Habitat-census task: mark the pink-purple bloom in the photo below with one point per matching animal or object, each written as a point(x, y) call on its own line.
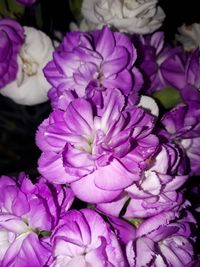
point(26, 2)
point(161, 63)
point(105, 144)
point(28, 213)
point(191, 90)
point(192, 69)
point(182, 126)
point(12, 37)
point(90, 63)
point(162, 240)
point(155, 191)
point(83, 238)
point(96, 151)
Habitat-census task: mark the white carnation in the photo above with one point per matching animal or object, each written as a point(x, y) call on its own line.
point(149, 104)
point(189, 36)
point(30, 86)
point(130, 16)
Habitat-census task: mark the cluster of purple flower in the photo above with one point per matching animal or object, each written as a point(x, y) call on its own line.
point(12, 36)
point(106, 143)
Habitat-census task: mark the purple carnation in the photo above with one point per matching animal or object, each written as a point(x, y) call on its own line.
point(188, 132)
point(26, 2)
point(182, 126)
point(83, 238)
point(89, 63)
point(27, 213)
point(12, 37)
point(96, 151)
point(161, 241)
point(161, 63)
point(155, 191)
point(193, 69)
point(191, 90)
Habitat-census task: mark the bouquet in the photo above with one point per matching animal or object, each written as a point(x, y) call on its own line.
point(119, 147)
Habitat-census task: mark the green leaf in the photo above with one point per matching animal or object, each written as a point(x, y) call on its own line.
point(44, 233)
point(11, 9)
point(135, 221)
point(168, 97)
point(90, 206)
point(75, 7)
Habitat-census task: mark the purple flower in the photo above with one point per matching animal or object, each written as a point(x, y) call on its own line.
point(161, 63)
point(27, 214)
point(83, 238)
point(124, 229)
point(155, 191)
point(89, 63)
point(192, 69)
point(11, 36)
point(98, 152)
point(182, 126)
point(160, 241)
point(26, 2)
point(191, 90)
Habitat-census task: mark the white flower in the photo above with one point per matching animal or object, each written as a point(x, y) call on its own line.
point(189, 36)
point(31, 86)
point(130, 16)
point(149, 104)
